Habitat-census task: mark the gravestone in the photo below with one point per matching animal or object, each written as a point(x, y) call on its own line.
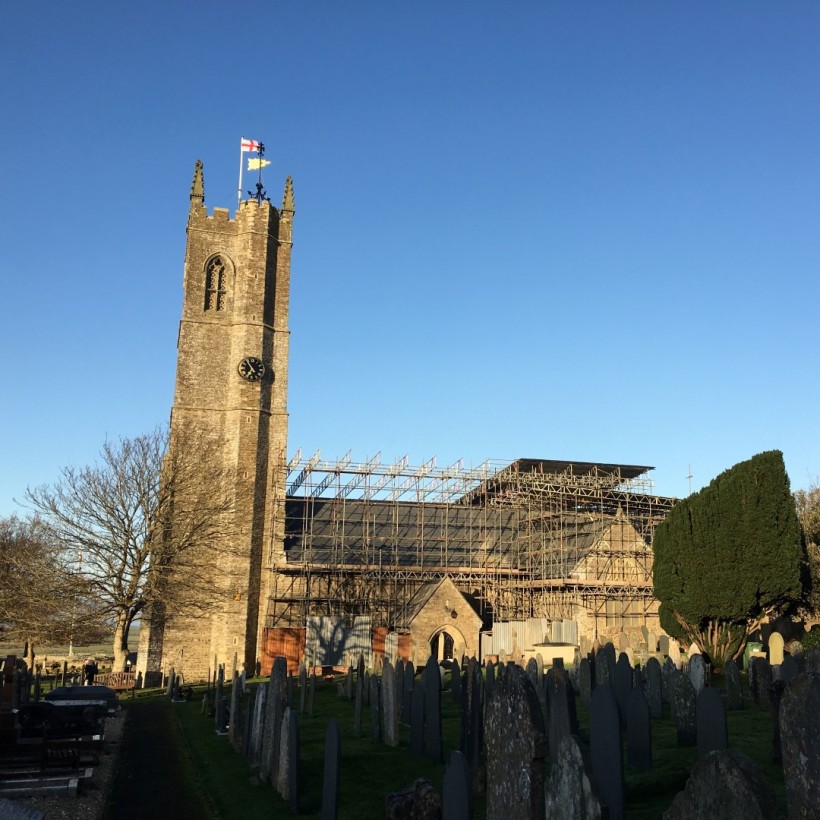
point(366, 689)
point(558, 721)
point(800, 744)
point(760, 674)
point(235, 735)
point(289, 690)
point(697, 672)
point(455, 682)
point(472, 722)
point(712, 729)
point(685, 711)
point(407, 693)
point(303, 685)
point(274, 711)
point(775, 649)
point(311, 694)
point(532, 673)
point(390, 712)
point(489, 682)
point(457, 796)
point(399, 665)
point(725, 784)
point(330, 777)
point(606, 750)
point(674, 652)
point(777, 690)
point(433, 747)
point(360, 666)
point(789, 669)
point(349, 683)
point(569, 793)
point(417, 720)
point(280, 776)
point(731, 683)
point(639, 735)
point(357, 707)
point(623, 642)
point(539, 666)
point(516, 746)
point(693, 650)
point(653, 688)
point(652, 642)
point(169, 690)
point(257, 732)
point(663, 644)
point(249, 710)
point(623, 685)
point(585, 681)
point(375, 710)
point(668, 677)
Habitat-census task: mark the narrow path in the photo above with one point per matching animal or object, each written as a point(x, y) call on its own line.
point(155, 777)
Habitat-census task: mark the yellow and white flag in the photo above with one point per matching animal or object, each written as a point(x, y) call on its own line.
point(255, 163)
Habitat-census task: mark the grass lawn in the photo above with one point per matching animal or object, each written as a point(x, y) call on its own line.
point(370, 771)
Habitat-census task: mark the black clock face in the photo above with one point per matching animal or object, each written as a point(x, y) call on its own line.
point(251, 369)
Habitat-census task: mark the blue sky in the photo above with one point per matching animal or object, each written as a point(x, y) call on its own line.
point(571, 230)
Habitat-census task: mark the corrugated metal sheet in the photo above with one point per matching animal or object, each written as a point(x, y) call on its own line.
point(526, 635)
point(536, 630)
point(391, 646)
point(359, 641)
point(325, 642)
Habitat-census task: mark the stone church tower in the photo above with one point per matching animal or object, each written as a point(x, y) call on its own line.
point(231, 390)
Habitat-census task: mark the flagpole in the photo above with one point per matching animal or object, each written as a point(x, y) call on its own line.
point(239, 188)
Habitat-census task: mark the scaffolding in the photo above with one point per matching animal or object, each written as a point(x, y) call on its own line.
point(526, 539)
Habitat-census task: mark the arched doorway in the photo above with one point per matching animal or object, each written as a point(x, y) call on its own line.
point(446, 644)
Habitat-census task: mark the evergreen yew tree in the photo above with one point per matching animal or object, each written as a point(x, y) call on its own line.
point(728, 556)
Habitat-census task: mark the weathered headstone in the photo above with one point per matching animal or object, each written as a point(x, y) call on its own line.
point(303, 685)
point(585, 681)
point(288, 781)
point(789, 669)
point(417, 720)
point(800, 744)
point(390, 711)
point(433, 747)
point(374, 698)
point(311, 694)
point(653, 687)
point(697, 672)
point(685, 711)
point(472, 722)
point(455, 682)
point(639, 734)
point(663, 644)
point(775, 649)
point(623, 642)
point(330, 778)
point(569, 792)
point(606, 750)
point(725, 784)
point(489, 682)
point(674, 652)
point(357, 707)
point(407, 692)
point(257, 732)
point(349, 683)
point(274, 711)
point(760, 674)
point(169, 691)
point(558, 722)
point(532, 673)
point(712, 728)
point(668, 673)
point(457, 796)
point(516, 746)
point(731, 682)
point(623, 685)
point(652, 642)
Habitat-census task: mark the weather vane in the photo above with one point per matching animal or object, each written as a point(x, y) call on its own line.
point(260, 196)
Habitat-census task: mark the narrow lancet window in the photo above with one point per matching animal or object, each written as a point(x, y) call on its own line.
point(215, 288)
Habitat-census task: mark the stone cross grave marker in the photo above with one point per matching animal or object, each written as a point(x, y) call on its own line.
point(516, 746)
point(606, 749)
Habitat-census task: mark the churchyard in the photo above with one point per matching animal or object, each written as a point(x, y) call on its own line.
point(641, 733)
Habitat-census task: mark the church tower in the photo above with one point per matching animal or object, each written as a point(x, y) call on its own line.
point(231, 395)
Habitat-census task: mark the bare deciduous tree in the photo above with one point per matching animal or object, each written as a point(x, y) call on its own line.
point(808, 512)
point(141, 514)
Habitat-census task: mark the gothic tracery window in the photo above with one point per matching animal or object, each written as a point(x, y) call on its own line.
point(215, 284)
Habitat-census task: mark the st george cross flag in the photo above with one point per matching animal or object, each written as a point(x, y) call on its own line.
point(249, 145)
